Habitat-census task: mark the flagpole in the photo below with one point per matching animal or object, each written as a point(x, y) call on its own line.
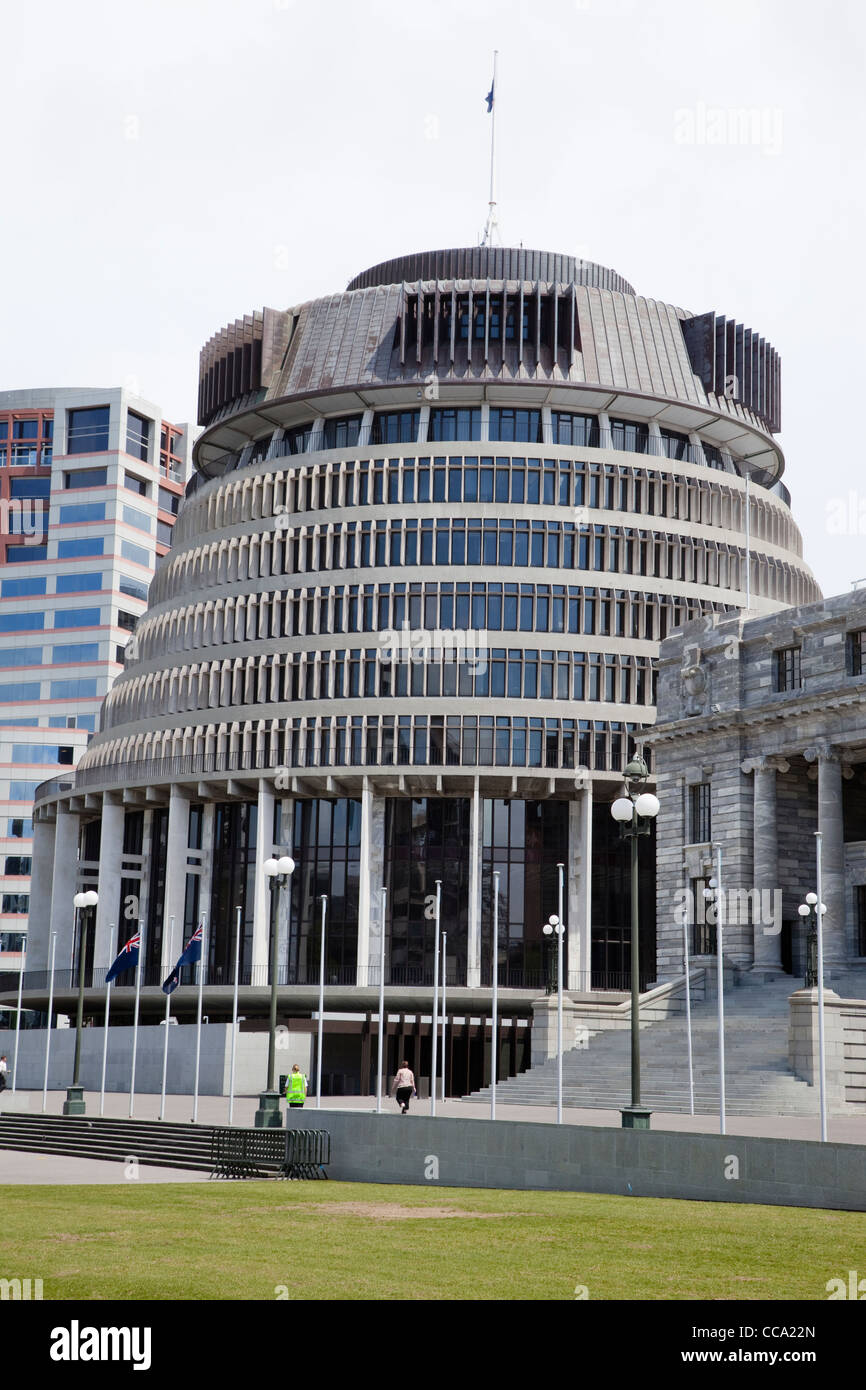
point(235, 1017)
point(201, 970)
point(48, 1029)
point(165, 1025)
point(321, 1038)
point(492, 225)
point(379, 1063)
point(18, 1015)
point(105, 1037)
point(135, 1020)
point(434, 1032)
point(444, 958)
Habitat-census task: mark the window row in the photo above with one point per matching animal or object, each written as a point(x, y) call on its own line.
point(445, 670)
point(554, 608)
point(513, 481)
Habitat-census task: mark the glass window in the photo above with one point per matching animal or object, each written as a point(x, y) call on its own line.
point(341, 433)
point(87, 431)
point(580, 430)
point(77, 583)
point(30, 487)
point(133, 517)
point(134, 484)
point(137, 435)
point(85, 511)
point(168, 501)
point(132, 587)
point(86, 477)
point(521, 426)
point(77, 617)
point(630, 435)
point(396, 427)
point(75, 651)
point(788, 673)
point(25, 429)
point(72, 690)
point(86, 545)
point(22, 622)
point(21, 554)
point(21, 656)
point(454, 423)
point(700, 826)
point(20, 690)
point(21, 588)
point(136, 553)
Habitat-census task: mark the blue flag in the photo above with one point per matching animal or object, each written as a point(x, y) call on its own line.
point(126, 959)
point(190, 954)
point(489, 97)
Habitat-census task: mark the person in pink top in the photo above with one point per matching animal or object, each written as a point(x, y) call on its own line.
point(404, 1086)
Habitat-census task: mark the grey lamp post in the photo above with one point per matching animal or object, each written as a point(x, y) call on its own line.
point(635, 813)
point(268, 1115)
point(554, 926)
point(814, 911)
point(74, 1102)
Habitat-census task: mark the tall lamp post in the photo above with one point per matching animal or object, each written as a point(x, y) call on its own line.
point(815, 977)
point(278, 872)
point(321, 1038)
point(556, 925)
point(635, 813)
point(74, 1102)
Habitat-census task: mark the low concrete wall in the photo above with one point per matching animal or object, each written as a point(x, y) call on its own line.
point(250, 1065)
point(844, 1047)
point(429, 1152)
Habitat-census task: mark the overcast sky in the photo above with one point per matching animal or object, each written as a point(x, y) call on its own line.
point(170, 166)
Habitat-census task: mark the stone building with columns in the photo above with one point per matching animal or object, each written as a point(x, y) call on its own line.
point(760, 741)
point(407, 633)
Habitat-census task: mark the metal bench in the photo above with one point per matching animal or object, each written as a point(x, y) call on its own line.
point(270, 1153)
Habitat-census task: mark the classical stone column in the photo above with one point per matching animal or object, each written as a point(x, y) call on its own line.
point(110, 861)
point(364, 886)
point(473, 949)
point(39, 917)
point(174, 896)
point(832, 849)
point(579, 909)
point(64, 886)
point(766, 922)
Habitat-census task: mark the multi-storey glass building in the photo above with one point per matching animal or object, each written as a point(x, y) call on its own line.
point(407, 630)
point(90, 485)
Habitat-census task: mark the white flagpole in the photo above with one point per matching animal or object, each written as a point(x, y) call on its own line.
point(494, 1050)
point(165, 1025)
point(138, 970)
point(819, 910)
point(48, 1029)
point(18, 1016)
point(720, 982)
point(435, 1029)
point(201, 970)
point(384, 892)
point(321, 1007)
point(235, 1017)
point(105, 1033)
point(444, 959)
point(560, 935)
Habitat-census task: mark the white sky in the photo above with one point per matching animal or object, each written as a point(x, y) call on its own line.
point(171, 165)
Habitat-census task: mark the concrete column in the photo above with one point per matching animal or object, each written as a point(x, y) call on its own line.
point(206, 877)
point(833, 850)
point(110, 862)
point(579, 910)
point(473, 950)
point(766, 931)
point(261, 889)
point(39, 917)
point(174, 896)
point(364, 907)
point(64, 886)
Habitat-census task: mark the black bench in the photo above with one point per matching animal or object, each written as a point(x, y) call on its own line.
point(270, 1153)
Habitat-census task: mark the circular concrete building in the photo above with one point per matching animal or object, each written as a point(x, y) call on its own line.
point(406, 633)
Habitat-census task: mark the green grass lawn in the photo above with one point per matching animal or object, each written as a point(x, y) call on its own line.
point(249, 1240)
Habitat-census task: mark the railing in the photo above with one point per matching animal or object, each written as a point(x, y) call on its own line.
point(419, 977)
point(547, 435)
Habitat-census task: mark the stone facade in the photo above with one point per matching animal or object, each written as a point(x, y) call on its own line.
point(760, 742)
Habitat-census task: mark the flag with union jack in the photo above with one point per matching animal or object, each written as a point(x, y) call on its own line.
point(126, 958)
point(188, 956)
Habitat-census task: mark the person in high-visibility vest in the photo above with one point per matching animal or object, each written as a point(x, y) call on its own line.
point(296, 1087)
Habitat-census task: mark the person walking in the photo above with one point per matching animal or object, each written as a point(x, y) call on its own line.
point(3, 1070)
point(404, 1086)
point(296, 1087)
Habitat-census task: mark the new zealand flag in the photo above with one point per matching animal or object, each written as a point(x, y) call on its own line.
point(190, 954)
point(126, 959)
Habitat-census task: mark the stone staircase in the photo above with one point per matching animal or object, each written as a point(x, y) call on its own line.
point(757, 1078)
point(150, 1142)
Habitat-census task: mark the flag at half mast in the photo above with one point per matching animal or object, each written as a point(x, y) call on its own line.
point(126, 958)
point(188, 956)
point(489, 97)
